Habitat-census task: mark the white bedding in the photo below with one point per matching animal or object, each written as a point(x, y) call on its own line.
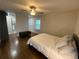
point(46, 44)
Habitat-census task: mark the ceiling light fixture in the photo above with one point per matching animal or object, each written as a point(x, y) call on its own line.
point(33, 10)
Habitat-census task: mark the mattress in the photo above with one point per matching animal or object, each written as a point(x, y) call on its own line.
point(46, 44)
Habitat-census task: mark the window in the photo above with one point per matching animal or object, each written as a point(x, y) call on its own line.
point(34, 23)
point(37, 24)
point(31, 24)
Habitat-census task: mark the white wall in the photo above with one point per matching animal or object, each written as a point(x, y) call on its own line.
point(21, 22)
point(77, 25)
point(59, 23)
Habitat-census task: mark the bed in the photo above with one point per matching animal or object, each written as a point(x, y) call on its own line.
point(53, 47)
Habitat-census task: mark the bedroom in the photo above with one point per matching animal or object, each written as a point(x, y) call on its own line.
point(56, 17)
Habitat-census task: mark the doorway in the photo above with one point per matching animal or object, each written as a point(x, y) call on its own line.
point(11, 22)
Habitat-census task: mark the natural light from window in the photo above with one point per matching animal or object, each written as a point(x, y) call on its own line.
point(34, 23)
point(37, 24)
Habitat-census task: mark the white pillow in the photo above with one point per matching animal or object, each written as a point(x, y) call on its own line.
point(66, 52)
point(63, 41)
point(66, 47)
point(69, 52)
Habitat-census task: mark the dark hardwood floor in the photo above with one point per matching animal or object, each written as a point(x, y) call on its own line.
point(16, 48)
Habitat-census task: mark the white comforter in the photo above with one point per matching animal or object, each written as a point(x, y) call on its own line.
point(46, 44)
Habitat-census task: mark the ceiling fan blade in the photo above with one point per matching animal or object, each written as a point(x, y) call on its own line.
point(40, 13)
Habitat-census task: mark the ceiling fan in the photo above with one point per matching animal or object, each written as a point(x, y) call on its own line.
point(33, 11)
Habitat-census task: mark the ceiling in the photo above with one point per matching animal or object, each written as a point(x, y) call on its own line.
point(41, 5)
